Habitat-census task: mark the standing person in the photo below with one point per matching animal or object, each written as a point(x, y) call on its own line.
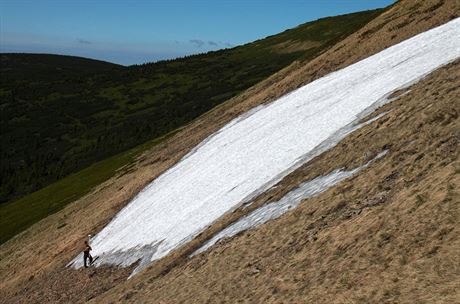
point(87, 255)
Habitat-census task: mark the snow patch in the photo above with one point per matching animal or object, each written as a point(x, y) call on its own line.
point(255, 151)
point(291, 200)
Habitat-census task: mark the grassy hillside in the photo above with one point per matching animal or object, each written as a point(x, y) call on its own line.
point(388, 235)
point(60, 114)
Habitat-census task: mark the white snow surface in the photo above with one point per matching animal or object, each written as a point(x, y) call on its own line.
point(256, 150)
point(289, 201)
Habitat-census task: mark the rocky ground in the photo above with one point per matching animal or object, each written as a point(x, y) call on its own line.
point(390, 234)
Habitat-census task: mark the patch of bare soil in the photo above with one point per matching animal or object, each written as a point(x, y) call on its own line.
point(399, 204)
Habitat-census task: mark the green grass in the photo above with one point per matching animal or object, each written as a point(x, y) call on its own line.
point(18, 215)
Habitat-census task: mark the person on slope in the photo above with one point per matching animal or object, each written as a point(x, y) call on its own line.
point(87, 255)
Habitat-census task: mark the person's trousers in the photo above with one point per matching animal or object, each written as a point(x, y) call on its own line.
point(86, 256)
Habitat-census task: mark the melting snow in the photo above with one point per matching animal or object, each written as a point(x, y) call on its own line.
point(291, 200)
point(253, 152)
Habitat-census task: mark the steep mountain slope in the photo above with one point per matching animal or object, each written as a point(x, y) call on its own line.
point(65, 118)
point(360, 234)
point(388, 235)
point(61, 113)
point(252, 153)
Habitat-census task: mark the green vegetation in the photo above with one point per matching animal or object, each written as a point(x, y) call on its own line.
point(60, 114)
point(18, 215)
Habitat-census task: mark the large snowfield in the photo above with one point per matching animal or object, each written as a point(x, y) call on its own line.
point(253, 152)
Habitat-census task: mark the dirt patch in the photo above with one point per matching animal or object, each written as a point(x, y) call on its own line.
point(68, 286)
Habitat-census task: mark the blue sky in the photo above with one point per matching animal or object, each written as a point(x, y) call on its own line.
point(129, 32)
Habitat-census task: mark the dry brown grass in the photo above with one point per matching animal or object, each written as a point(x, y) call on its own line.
point(341, 247)
point(294, 46)
point(388, 235)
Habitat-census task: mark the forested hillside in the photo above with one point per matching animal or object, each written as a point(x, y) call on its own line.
point(60, 114)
